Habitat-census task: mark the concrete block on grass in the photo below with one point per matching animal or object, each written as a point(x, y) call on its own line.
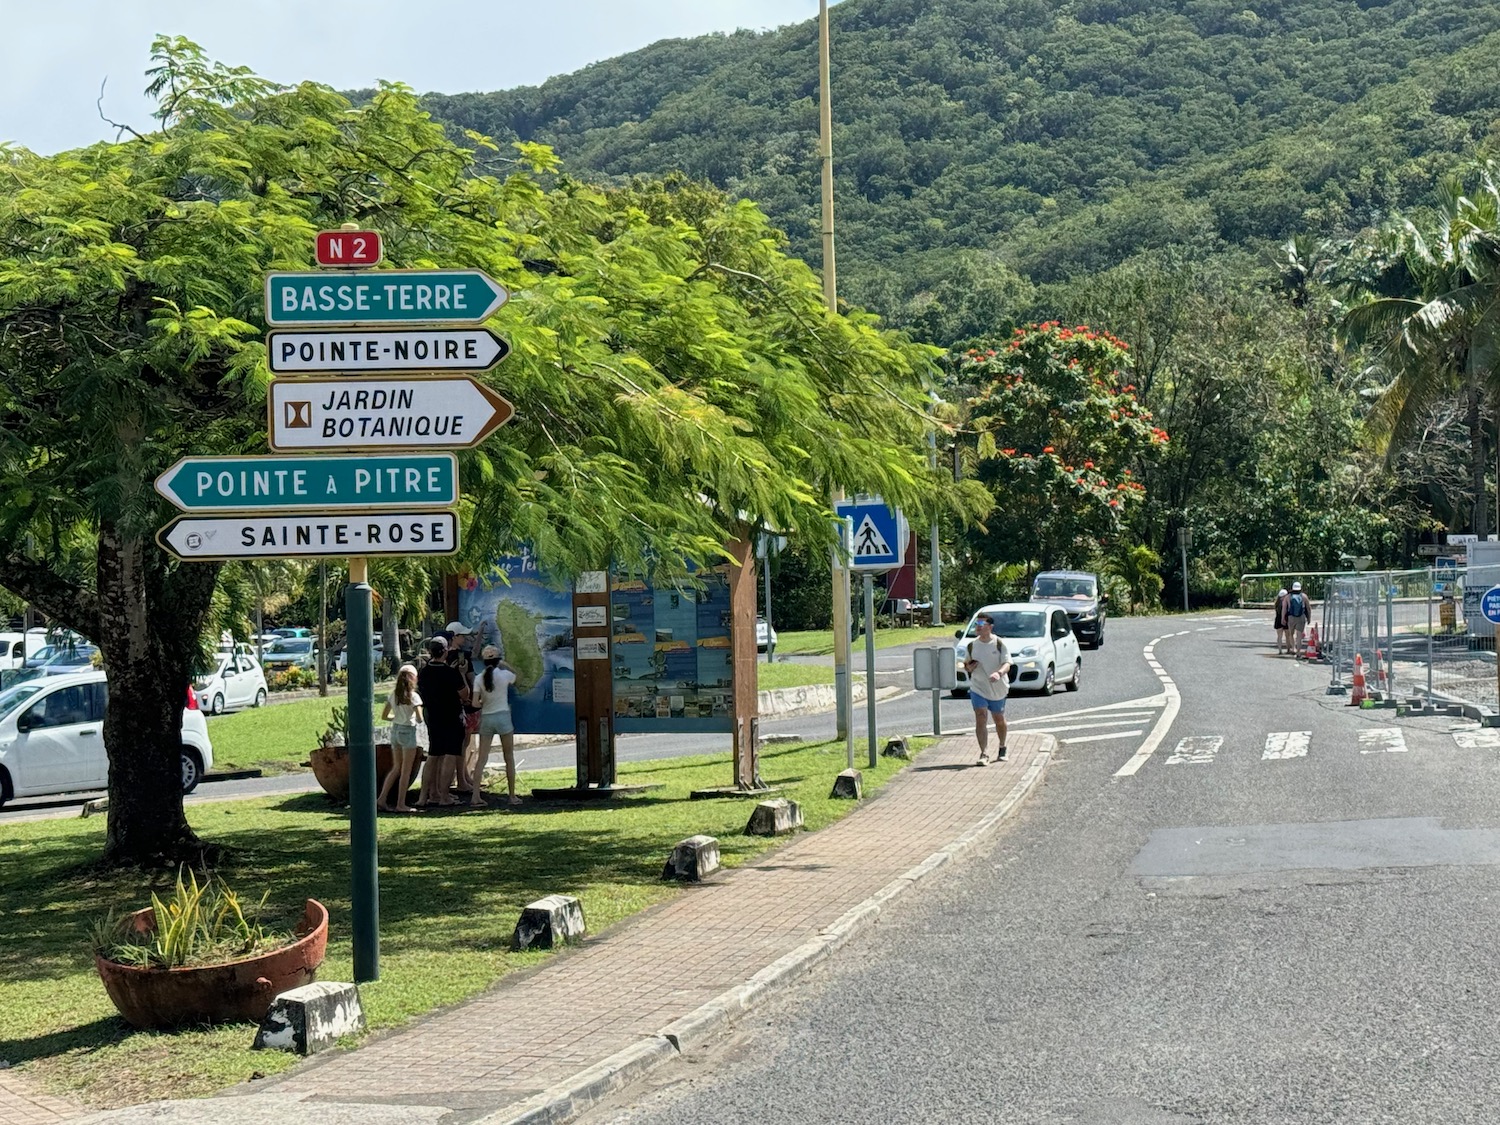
point(692, 859)
point(774, 818)
point(549, 922)
point(848, 786)
point(312, 1018)
point(897, 747)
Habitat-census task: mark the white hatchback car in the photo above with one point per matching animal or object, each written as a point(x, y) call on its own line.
point(1043, 650)
point(237, 681)
point(52, 737)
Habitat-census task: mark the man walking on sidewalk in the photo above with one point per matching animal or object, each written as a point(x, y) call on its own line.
point(988, 667)
point(1297, 613)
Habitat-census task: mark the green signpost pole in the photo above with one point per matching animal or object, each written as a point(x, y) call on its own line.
point(871, 734)
point(364, 857)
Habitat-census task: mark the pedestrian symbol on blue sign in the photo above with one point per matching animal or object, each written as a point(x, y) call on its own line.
point(879, 540)
point(1489, 604)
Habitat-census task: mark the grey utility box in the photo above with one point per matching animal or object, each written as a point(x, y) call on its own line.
point(935, 669)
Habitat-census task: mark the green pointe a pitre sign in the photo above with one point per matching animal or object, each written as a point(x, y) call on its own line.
point(382, 297)
point(319, 483)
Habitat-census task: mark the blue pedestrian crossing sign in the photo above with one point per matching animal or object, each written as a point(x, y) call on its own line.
point(1489, 604)
point(879, 539)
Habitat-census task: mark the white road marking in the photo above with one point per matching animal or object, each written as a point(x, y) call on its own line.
point(1196, 749)
point(1088, 726)
point(1128, 705)
point(1173, 700)
point(1283, 744)
point(1102, 737)
point(1477, 738)
point(1382, 740)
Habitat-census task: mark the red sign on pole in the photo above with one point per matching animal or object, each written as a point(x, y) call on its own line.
point(351, 248)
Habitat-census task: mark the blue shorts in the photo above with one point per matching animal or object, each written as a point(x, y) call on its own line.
point(496, 722)
point(994, 706)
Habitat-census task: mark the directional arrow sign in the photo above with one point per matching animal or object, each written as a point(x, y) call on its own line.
point(340, 413)
point(227, 484)
point(311, 535)
point(367, 351)
point(382, 297)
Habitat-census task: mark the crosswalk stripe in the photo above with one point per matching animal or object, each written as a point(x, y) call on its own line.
point(1196, 749)
point(1150, 701)
point(1286, 744)
point(1480, 738)
point(1089, 726)
point(1102, 737)
point(1382, 740)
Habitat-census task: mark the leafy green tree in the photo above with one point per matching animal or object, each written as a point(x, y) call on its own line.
point(1060, 434)
point(673, 371)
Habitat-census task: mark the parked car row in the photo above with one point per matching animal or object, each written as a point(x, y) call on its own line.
point(52, 737)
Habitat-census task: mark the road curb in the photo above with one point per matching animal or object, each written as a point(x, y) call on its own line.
point(573, 1096)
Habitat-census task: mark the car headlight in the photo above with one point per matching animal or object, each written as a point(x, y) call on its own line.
point(1089, 615)
point(1029, 650)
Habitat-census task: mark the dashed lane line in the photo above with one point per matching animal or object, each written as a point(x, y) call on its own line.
point(1168, 714)
point(1283, 744)
point(1382, 740)
point(1196, 749)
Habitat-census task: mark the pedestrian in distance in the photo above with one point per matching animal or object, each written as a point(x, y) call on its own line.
point(444, 693)
point(988, 668)
point(461, 655)
point(403, 709)
point(1298, 609)
point(492, 694)
point(1283, 641)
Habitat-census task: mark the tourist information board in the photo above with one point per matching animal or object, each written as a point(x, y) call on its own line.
point(382, 297)
point(338, 412)
point(365, 482)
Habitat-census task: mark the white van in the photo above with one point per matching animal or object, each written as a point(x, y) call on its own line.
point(12, 651)
point(52, 737)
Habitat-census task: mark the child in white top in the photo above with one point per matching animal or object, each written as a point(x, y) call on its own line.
point(403, 709)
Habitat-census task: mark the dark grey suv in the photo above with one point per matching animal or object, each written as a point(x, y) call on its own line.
point(1077, 591)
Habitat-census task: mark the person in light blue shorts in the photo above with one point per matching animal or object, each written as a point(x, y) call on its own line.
point(404, 711)
point(988, 667)
point(491, 692)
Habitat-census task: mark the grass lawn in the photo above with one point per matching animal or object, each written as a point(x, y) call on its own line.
point(452, 886)
point(819, 642)
point(278, 738)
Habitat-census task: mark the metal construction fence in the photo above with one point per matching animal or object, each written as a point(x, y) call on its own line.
point(1416, 632)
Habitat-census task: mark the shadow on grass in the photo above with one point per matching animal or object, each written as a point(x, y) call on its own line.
point(86, 1037)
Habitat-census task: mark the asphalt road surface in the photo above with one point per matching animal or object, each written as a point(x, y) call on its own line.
point(1233, 899)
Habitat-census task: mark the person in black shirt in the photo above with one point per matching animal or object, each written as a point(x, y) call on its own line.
point(444, 692)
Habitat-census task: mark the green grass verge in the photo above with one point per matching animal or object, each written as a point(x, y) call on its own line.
point(278, 738)
point(452, 886)
point(819, 642)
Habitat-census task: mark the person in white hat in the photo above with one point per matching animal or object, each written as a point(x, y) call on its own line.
point(491, 691)
point(1283, 642)
point(1298, 610)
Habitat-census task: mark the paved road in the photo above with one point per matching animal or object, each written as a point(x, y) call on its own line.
point(1282, 911)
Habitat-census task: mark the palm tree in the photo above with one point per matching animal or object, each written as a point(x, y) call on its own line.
point(1431, 309)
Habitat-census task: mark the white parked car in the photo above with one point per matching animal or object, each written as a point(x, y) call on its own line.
point(12, 651)
point(764, 634)
point(52, 737)
point(1043, 650)
point(238, 681)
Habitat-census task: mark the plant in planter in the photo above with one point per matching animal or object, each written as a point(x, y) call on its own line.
point(330, 760)
point(336, 733)
point(202, 957)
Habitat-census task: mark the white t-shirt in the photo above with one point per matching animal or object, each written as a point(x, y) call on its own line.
point(496, 700)
point(405, 714)
point(990, 657)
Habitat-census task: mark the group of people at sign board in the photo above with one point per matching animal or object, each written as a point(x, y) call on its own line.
point(464, 704)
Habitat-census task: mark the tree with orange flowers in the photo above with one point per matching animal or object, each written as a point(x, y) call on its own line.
point(1059, 439)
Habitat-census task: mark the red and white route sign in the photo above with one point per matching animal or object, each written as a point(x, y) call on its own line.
point(349, 248)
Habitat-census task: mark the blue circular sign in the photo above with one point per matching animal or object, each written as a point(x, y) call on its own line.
point(1489, 604)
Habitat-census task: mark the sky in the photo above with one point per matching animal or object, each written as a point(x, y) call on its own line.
point(54, 54)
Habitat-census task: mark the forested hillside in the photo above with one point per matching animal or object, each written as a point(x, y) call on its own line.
point(1054, 138)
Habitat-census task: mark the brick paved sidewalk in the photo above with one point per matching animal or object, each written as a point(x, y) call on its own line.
point(22, 1105)
point(536, 1030)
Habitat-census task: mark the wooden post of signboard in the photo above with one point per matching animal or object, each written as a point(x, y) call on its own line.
point(742, 598)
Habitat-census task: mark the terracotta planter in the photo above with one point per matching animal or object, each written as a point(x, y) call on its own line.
point(330, 765)
point(239, 990)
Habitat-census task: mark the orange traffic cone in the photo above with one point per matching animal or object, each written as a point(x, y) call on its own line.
point(1311, 650)
point(1357, 696)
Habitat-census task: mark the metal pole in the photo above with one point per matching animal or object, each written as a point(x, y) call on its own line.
point(870, 668)
point(770, 641)
point(936, 615)
point(1183, 541)
point(1390, 634)
point(363, 851)
point(1431, 593)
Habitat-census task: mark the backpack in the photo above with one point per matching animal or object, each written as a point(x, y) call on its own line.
point(1296, 606)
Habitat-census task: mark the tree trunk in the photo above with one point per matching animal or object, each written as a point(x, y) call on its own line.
point(390, 637)
point(1477, 464)
point(149, 623)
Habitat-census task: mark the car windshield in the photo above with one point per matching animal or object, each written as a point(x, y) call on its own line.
point(290, 647)
point(1015, 623)
point(63, 654)
point(1063, 588)
point(14, 697)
